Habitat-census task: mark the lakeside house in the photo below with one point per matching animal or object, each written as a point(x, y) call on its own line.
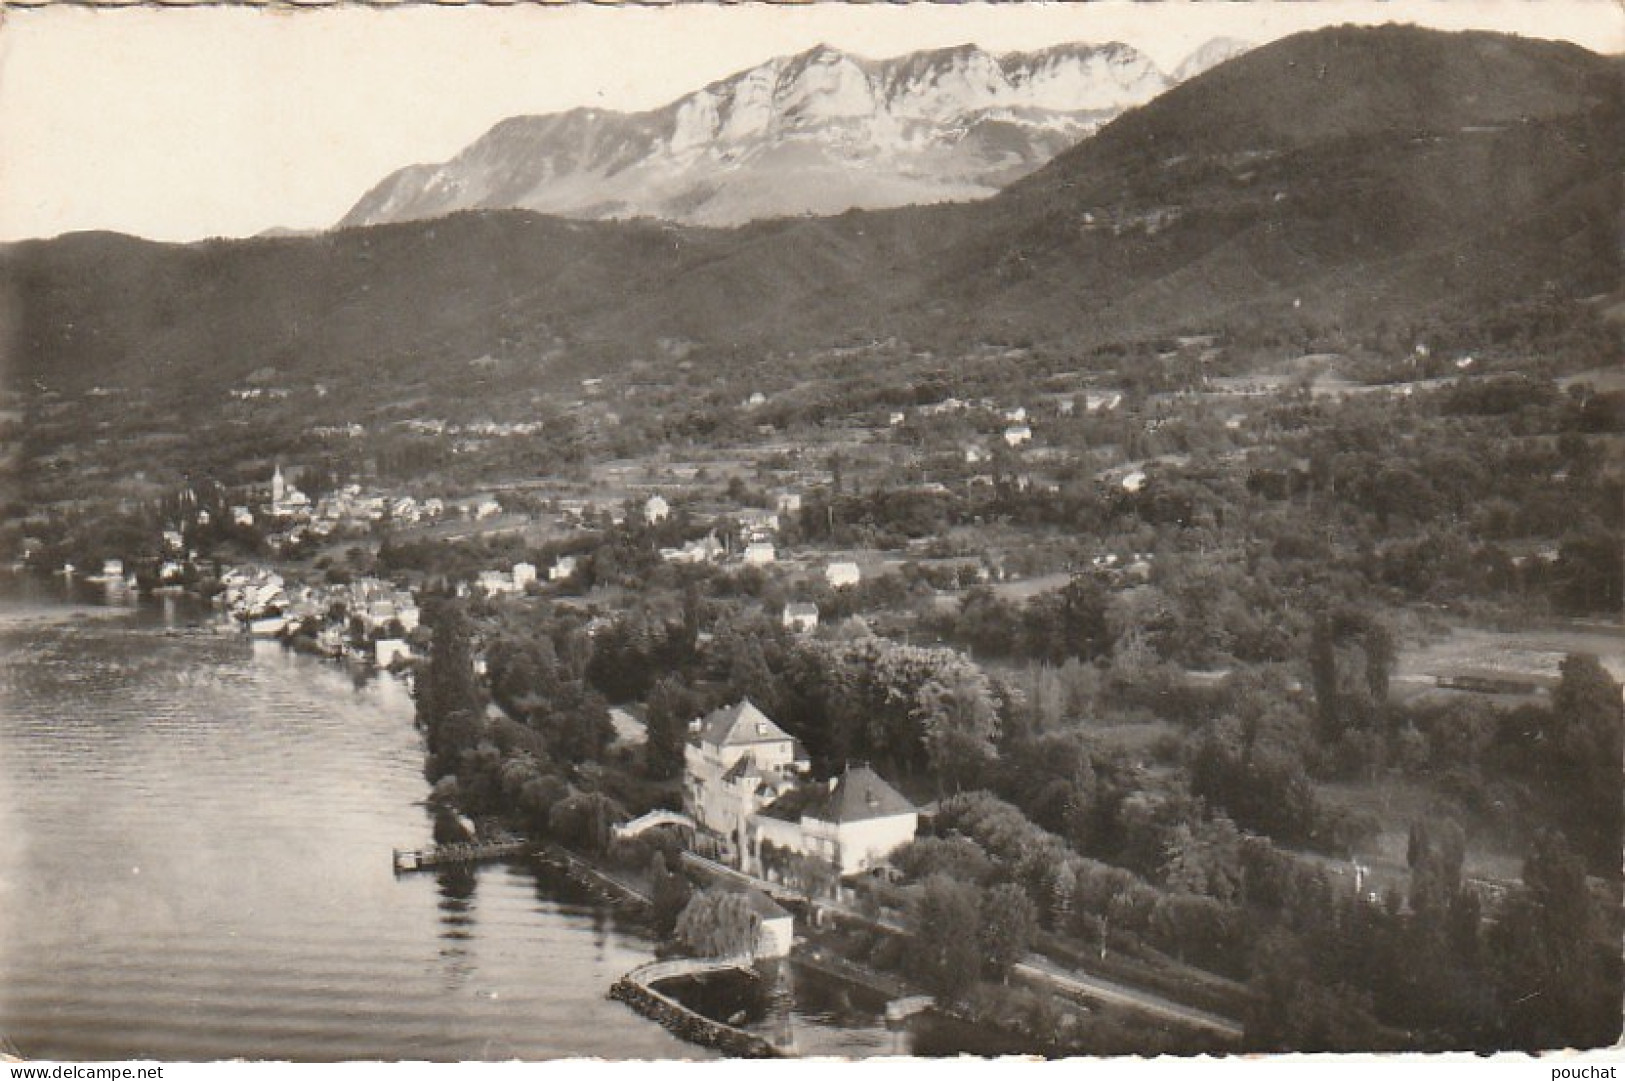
point(851, 823)
point(386, 651)
point(775, 927)
point(736, 760)
point(744, 786)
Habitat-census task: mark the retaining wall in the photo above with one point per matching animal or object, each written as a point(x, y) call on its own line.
point(636, 990)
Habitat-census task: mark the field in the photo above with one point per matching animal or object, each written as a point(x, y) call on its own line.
point(1396, 803)
point(1534, 652)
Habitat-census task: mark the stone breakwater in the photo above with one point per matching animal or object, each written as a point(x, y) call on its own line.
point(636, 989)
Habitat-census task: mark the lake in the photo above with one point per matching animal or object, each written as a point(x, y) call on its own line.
point(195, 841)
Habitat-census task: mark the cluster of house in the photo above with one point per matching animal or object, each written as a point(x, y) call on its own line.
point(498, 583)
point(708, 549)
point(373, 609)
point(255, 596)
point(351, 506)
point(754, 807)
point(295, 515)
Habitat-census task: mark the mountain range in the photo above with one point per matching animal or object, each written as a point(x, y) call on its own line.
point(820, 132)
point(1338, 180)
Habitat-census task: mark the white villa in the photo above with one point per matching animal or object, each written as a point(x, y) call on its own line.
point(736, 761)
point(851, 822)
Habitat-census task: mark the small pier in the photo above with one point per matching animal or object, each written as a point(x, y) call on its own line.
point(425, 859)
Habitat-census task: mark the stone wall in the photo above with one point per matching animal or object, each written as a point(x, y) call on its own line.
point(636, 991)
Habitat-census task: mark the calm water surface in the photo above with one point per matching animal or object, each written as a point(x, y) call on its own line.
point(195, 837)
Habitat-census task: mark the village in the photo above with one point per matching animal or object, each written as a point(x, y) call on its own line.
point(842, 647)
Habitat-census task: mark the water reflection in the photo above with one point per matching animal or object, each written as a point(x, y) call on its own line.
point(456, 885)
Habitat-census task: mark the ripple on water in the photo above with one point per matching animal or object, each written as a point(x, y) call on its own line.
point(194, 864)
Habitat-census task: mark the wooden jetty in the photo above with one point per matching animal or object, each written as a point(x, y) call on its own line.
point(424, 859)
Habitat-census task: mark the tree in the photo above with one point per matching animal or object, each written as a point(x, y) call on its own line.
point(1204, 859)
point(1069, 622)
point(945, 926)
point(959, 858)
point(522, 670)
point(719, 923)
point(576, 722)
point(584, 820)
point(1435, 853)
point(668, 711)
point(750, 676)
point(1558, 985)
point(1292, 1011)
point(450, 706)
point(1584, 751)
point(959, 717)
point(1257, 777)
point(1009, 921)
point(669, 894)
point(812, 876)
point(1589, 576)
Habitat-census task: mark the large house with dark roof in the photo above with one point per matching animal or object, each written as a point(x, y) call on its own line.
point(851, 823)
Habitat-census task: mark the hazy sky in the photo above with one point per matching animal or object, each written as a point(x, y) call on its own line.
point(183, 123)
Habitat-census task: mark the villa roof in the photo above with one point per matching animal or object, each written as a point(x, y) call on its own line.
point(738, 725)
point(858, 795)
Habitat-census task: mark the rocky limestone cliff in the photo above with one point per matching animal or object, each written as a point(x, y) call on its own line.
point(819, 132)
